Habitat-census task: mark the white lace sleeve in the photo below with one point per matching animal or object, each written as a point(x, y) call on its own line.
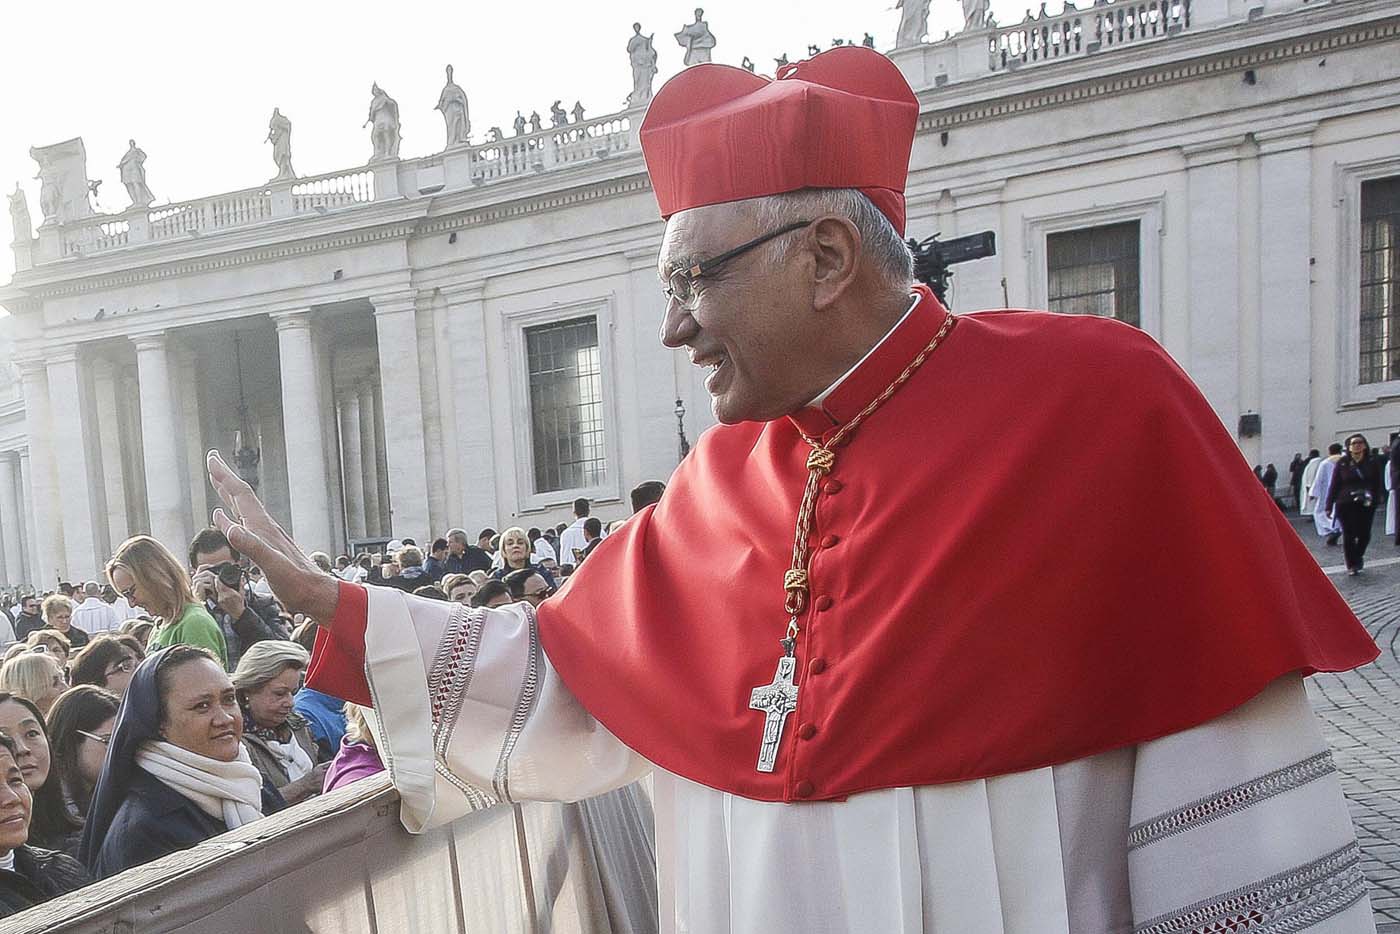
point(470, 713)
point(1241, 824)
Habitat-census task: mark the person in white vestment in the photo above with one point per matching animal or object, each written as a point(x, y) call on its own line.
point(1236, 823)
point(1327, 525)
point(1306, 501)
point(93, 616)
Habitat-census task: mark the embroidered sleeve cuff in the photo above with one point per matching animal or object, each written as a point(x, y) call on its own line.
point(338, 660)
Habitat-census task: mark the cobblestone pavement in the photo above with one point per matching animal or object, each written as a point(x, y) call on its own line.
point(1361, 716)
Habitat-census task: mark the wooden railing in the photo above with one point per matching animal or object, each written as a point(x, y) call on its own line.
point(343, 863)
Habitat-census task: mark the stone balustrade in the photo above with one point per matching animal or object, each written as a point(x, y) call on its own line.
point(1074, 32)
point(512, 157)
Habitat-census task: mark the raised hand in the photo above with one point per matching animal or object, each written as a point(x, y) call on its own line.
point(299, 584)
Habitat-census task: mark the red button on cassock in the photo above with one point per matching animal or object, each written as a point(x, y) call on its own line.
point(830, 541)
point(817, 666)
point(833, 486)
point(806, 731)
point(804, 789)
point(823, 602)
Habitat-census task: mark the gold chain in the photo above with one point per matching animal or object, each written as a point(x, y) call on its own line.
point(820, 461)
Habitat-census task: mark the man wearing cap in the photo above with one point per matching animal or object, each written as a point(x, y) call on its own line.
point(1040, 727)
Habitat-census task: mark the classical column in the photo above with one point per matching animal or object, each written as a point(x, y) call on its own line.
point(83, 520)
point(369, 460)
point(10, 519)
point(191, 437)
point(110, 456)
point(446, 410)
point(133, 454)
point(43, 493)
point(1213, 258)
point(306, 451)
point(475, 445)
point(396, 326)
point(381, 460)
point(165, 496)
point(1285, 291)
point(353, 469)
point(31, 535)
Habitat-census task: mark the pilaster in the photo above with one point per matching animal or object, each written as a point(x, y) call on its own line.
point(395, 320)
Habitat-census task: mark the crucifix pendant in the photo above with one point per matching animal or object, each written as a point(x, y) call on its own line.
point(776, 700)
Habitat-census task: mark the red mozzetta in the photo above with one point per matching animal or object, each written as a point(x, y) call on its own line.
point(1044, 546)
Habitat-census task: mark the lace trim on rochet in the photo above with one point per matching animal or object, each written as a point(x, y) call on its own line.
point(1224, 803)
point(524, 704)
point(448, 683)
point(452, 671)
point(1283, 904)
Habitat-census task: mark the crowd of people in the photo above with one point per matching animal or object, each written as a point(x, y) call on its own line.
point(146, 713)
point(1342, 490)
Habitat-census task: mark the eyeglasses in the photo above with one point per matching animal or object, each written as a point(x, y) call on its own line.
point(129, 594)
point(536, 596)
point(681, 288)
point(126, 665)
point(104, 740)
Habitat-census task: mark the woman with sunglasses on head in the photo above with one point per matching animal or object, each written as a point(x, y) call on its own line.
point(1355, 493)
point(148, 575)
point(106, 662)
point(278, 739)
point(35, 675)
point(80, 728)
point(50, 826)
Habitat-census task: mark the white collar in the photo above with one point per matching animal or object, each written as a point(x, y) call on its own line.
point(8, 861)
point(822, 396)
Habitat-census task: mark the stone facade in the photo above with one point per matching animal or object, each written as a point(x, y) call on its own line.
point(470, 338)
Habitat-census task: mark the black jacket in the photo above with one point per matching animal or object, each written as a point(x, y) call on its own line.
point(156, 820)
point(472, 559)
point(38, 876)
point(24, 625)
point(1350, 476)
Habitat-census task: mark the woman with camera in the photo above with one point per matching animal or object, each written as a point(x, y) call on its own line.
point(1355, 493)
point(147, 574)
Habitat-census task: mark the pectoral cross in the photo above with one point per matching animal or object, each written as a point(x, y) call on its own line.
point(776, 700)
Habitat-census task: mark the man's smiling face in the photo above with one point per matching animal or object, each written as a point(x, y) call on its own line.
point(749, 325)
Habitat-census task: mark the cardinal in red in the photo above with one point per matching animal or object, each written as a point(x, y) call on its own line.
point(884, 678)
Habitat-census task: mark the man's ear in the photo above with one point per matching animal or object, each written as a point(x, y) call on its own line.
point(835, 245)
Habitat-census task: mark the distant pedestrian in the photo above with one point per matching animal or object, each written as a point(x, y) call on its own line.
point(1355, 492)
point(1295, 477)
point(1305, 485)
point(1392, 483)
point(1325, 524)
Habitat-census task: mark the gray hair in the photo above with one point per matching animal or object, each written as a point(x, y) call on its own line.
point(880, 242)
point(265, 660)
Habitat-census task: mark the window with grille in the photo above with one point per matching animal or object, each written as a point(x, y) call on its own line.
point(1094, 271)
point(1380, 280)
point(566, 404)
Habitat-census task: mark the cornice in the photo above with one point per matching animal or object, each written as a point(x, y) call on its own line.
point(219, 261)
point(538, 204)
point(938, 120)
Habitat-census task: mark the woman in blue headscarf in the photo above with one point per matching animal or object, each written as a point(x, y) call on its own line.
point(176, 771)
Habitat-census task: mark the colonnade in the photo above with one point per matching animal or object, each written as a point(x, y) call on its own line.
point(116, 450)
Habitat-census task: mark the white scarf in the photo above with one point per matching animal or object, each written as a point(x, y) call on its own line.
point(292, 757)
point(227, 791)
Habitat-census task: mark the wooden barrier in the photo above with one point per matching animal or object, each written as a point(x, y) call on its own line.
point(343, 864)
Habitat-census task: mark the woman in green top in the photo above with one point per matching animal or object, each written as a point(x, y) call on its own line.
point(148, 575)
